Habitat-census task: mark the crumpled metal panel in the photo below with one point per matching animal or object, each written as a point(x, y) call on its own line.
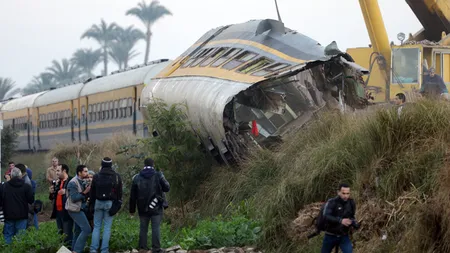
point(205, 97)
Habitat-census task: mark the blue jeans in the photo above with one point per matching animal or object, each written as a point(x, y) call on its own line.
point(101, 215)
point(82, 224)
point(12, 228)
point(331, 241)
point(36, 222)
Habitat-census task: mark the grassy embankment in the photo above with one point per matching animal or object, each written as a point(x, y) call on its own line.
point(397, 167)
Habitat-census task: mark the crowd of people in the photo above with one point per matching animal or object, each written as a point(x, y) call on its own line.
point(85, 203)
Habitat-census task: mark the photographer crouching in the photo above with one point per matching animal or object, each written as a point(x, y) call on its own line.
point(339, 214)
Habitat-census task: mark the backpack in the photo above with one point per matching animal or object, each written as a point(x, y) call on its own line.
point(105, 186)
point(154, 198)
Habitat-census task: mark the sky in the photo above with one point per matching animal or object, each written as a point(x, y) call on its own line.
point(35, 32)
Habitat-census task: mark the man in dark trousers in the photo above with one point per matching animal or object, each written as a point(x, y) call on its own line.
point(58, 195)
point(15, 196)
point(339, 214)
point(106, 188)
point(147, 192)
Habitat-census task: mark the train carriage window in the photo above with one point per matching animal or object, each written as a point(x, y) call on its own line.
point(239, 60)
point(94, 112)
point(83, 114)
point(225, 57)
point(69, 114)
point(193, 57)
point(106, 110)
point(67, 118)
point(60, 118)
point(123, 107)
point(255, 65)
point(213, 55)
point(116, 109)
point(130, 107)
point(90, 113)
point(269, 69)
point(103, 108)
point(202, 57)
point(111, 110)
point(99, 111)
point(55, 119)
point(75, 117)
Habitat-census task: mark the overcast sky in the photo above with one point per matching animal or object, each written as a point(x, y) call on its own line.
point(35, 32)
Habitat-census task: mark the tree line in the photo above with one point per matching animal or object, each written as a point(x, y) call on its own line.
point(116, 44)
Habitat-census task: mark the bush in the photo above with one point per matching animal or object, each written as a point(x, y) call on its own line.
point(9, 144)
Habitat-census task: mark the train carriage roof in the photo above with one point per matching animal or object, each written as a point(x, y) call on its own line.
point(59, 95)
point(123, 79)
point(22, 102)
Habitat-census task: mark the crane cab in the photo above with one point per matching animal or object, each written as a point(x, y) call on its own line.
point(409, 64)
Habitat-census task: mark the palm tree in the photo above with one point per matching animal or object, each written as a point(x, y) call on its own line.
point(104, 34)
point(7, 88)
point(64, 73)
point(87, 60)
point(121, 50)
point(148, 14)
point(43, 81)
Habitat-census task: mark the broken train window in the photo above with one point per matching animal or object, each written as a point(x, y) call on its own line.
point(193, 57)
point(240, 59)
point(271, 68)
point(213, 56)
point(202, 56)
point(225, 57)
point(255, 65)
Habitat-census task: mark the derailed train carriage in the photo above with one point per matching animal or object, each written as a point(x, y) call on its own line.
point(258, 71)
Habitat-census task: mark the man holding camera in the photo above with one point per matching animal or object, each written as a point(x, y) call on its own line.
point(339, 214)
point(58, 195)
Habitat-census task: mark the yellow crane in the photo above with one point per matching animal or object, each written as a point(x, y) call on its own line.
point(400, 68)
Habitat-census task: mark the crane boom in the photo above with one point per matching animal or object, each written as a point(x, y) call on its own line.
point(434, 15)
point(378, 37)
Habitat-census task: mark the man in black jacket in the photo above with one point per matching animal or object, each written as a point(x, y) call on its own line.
point(106, 188)
point(58, 195)
point(147, 192)
point(15, 196)
point(339, 214)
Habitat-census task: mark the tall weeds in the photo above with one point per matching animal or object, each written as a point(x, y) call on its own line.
point(379, 153)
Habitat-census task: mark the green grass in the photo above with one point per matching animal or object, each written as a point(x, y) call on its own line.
point(215, 232)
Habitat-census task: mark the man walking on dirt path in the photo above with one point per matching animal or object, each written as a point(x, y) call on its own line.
point(147, 192)
point(339, 214)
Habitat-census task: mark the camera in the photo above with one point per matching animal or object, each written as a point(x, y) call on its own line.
point(54, 185)
point(355, 224)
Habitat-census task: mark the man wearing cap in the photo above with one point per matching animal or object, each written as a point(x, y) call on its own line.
point(147, 192)
point(106, 187)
